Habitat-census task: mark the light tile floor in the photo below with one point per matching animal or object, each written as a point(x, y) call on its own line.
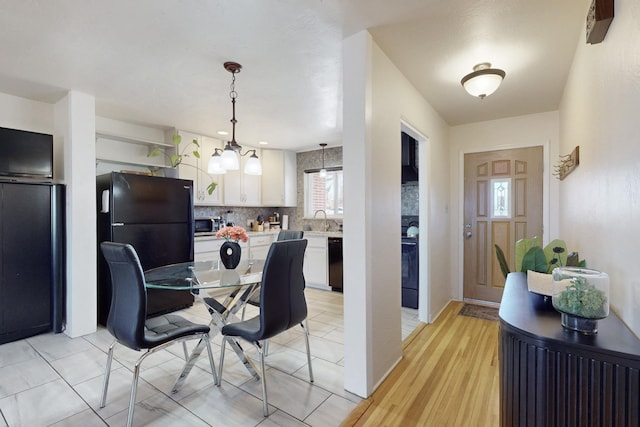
point(53, 380)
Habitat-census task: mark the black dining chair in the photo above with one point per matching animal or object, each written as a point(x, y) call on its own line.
point(254, 297)
point(251, 294)
point(127, 320)
point(282, 305)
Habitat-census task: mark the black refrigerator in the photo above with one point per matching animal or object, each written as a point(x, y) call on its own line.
point(154, 215)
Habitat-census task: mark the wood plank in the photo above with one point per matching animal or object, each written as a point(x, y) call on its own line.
point(448, 376)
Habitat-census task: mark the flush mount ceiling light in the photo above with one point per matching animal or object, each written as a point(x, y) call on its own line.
point(483, 81)
point(228, 159)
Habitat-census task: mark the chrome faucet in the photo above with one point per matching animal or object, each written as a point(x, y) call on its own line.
point(325, 225)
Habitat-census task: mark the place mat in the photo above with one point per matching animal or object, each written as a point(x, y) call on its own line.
point(479, 311)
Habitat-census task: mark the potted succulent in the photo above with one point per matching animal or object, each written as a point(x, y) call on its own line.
point(178, 156)
point(581, 296)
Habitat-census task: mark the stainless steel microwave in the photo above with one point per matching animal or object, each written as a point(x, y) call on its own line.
point(205, 225)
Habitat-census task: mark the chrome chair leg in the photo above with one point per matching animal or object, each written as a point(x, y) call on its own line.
point(107, 374)
point(306, 341)
point(263, 377)
point(222, 347)
point(184, 348)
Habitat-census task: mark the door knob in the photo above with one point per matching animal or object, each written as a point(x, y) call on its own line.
point(467, 235)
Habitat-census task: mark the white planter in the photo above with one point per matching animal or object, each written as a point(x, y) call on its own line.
point(540, 283)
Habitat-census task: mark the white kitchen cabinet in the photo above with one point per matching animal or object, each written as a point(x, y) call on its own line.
point(207, 249)
point(241, 189)
point(195, 169)
point(259, 246)
point(316, 265)
point(279, 181)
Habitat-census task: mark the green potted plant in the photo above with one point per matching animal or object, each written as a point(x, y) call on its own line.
point(539, 262)
point(178, 156)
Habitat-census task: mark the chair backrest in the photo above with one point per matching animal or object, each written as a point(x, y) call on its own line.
point(282, 301)
point(128, 310)
point(289, 235)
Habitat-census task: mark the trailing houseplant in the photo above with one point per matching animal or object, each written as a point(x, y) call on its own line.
point(176, 159)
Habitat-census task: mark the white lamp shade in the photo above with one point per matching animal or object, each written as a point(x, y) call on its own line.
point(215, 165)
point(253, 166)
point(483, 85)
point(483, 81)
point(230, 160)
point(323, 172)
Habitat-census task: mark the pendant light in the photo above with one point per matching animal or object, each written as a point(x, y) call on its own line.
point(323, 171)
point(222, 161)
point(483, 81)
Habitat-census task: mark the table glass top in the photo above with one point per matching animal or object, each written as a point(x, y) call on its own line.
point(204, 275)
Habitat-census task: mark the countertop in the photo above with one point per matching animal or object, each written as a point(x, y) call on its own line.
point(212, 235)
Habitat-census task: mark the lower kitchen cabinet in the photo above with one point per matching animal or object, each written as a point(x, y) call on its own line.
point(32, 258)
point(316, 263)
point(259, 246)
point(207, 249)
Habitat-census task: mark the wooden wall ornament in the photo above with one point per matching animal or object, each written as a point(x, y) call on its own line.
point(567, 164)
point(598, 20)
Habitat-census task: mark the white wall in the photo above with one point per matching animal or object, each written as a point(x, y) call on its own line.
point(24, 114)
point(377, 98)
point(515, 132)
point(600, 200)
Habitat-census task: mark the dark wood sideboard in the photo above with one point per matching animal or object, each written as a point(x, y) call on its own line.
point(550, 376)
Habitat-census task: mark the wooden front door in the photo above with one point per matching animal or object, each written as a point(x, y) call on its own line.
point(502, 204)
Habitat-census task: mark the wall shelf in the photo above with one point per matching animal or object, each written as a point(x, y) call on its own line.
point(131, 140)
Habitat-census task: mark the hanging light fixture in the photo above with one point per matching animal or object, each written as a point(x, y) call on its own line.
point(228, 159)
point(483, 81)
point(323, 171)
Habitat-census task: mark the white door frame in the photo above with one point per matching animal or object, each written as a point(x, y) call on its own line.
point(424, 290)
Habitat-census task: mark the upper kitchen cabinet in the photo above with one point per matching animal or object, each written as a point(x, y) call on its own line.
point(195, 169)
point(279, 186)
point(241, 189)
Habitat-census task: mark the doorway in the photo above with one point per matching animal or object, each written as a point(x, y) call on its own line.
point(414, 227)
point(502, 204)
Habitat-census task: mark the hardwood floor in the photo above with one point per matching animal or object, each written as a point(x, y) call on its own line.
point(448, 377)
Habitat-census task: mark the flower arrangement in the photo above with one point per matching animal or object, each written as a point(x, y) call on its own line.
point(233, 234)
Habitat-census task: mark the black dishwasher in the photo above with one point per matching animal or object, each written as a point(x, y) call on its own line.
point(335, 263)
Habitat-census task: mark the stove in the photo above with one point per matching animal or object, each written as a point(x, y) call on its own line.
point(410, 264)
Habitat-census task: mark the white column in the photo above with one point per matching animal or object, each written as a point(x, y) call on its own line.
point(75, 133)
point(357, 308)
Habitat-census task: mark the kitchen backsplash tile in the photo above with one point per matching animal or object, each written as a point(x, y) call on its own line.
point(239, 215)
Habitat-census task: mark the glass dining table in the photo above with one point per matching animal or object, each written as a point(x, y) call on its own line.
point(199, 277)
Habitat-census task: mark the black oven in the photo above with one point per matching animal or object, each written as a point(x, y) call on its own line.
point(410, 270)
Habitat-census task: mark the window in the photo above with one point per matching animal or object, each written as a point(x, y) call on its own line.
point(501, 197)
point(323, 193)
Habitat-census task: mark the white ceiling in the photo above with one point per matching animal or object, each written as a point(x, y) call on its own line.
point(159, 62)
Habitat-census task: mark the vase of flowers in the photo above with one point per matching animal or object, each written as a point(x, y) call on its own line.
point(230, 251)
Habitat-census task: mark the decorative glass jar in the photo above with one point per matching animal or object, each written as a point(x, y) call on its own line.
point(581, 295)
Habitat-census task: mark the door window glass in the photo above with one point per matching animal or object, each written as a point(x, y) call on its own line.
point(501, 197)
